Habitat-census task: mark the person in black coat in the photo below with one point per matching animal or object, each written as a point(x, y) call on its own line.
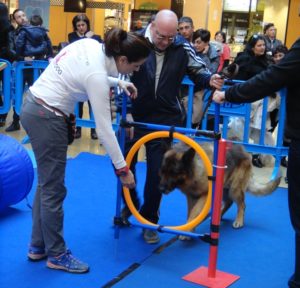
point(253, 59)
point(20, 18)
point(284, 74)
point(6, 46)
point(251, 62)
point(81, 27)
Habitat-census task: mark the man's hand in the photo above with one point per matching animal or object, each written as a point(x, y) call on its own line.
point(219, 97)
point(216, 81)
point(129, 88)
point(128, 180)
point(28, 58)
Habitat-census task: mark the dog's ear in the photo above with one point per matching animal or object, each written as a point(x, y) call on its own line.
point(188, 157)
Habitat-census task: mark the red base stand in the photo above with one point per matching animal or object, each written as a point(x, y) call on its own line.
point(200, 276)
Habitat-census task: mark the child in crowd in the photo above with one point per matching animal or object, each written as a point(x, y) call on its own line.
point(33, 40)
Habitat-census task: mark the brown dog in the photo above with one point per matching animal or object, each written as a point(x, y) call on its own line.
point(182, 168)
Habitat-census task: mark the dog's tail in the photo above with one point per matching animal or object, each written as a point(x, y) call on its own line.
point(260, 189)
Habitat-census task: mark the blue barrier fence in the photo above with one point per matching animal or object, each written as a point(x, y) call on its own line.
point(13, 90)
point(37, 67)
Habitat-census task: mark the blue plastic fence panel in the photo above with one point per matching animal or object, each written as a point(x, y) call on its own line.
point(37, 66)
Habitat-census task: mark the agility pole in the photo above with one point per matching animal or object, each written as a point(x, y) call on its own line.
point(211, 277)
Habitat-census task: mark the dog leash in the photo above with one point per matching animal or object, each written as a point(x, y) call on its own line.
point(227, 73)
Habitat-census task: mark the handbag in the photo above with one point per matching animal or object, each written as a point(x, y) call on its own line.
point(71, 122)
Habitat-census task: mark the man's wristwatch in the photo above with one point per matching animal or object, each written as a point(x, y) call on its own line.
point(122, 171)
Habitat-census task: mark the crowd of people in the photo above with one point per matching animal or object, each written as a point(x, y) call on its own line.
point(27, 41)
point(157, 58)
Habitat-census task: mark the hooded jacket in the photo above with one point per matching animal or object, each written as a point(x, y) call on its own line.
point(33, 41)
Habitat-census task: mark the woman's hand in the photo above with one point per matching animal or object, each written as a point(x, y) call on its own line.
point(219, 96)
point(128, 180)
point(129, 88)
point(216, 81)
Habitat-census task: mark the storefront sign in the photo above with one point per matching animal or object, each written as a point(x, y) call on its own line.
point(240, 5)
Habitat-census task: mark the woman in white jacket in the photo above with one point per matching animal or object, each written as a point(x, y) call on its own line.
point(84, 70)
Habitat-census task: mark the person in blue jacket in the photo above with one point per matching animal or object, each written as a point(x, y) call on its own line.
point(158, 82)
point(33, 40)
point(284, 74)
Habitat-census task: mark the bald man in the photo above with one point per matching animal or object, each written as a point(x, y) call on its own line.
point(158, 82)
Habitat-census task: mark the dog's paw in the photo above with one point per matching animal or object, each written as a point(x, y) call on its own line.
point(237, 224)
point(184, 238)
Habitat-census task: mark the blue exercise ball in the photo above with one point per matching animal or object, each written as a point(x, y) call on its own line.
point(16, 172)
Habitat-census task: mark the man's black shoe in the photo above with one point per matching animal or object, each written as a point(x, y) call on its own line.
point(126, 213)
point(293, 283)
point(77, 133)
point(14, 126)
point(284, 162)
point(93, 134)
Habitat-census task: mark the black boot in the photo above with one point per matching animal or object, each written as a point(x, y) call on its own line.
point(126, 213)
point(256, 161)
point(2, 120)
point(14, 126)
point(77, 133)
point(284, 162)
point(93, 134)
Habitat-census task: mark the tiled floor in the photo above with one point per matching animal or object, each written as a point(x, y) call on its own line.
point(86, 144)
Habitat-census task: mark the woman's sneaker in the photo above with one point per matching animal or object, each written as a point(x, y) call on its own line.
point(67, 262)
point(36, 253)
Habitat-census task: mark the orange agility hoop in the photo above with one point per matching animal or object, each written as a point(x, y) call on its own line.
point(208, 167)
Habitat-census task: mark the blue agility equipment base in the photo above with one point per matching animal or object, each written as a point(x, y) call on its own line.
point(16, 172)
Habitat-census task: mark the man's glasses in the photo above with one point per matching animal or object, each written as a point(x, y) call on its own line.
point(163, 37)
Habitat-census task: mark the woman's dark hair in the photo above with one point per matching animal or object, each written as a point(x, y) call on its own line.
point(203, 34)
point(252, 42)
point(118, 42)
point(223, 35)
point(36, 20)
point(4, 20)
point(81, 17)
